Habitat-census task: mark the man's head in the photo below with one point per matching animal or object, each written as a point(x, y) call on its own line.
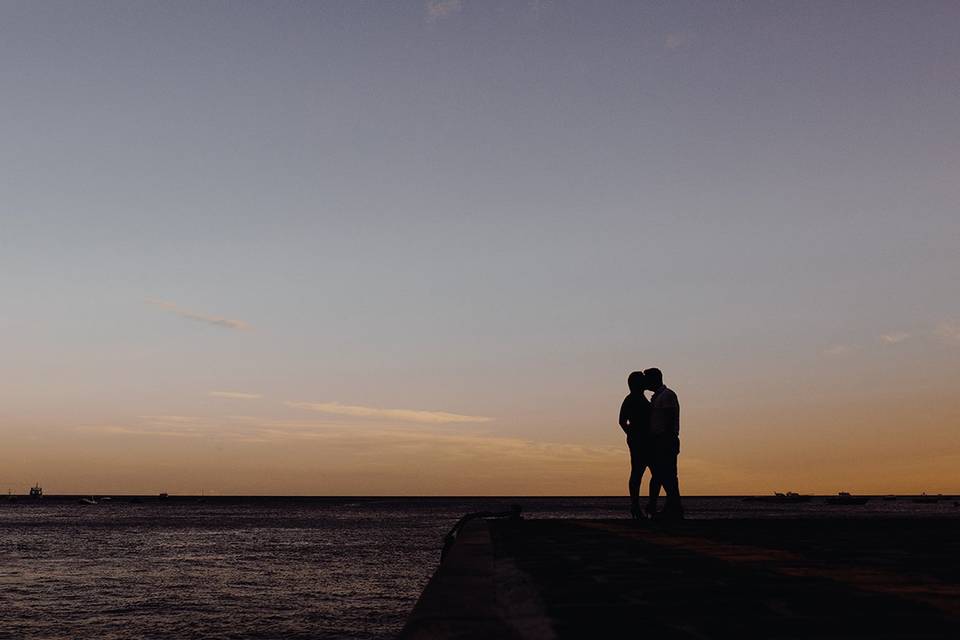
point(653, 378)
point(637, 382)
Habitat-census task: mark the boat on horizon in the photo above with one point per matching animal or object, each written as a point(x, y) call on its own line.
point(923, 498)
point(36, 491)
point(845, 498)
point(90, 500)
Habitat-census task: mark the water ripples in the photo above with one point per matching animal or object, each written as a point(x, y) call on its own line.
point(262, 568)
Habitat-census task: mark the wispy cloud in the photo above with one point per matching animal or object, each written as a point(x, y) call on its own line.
point(839, 350)
point(678, 40)
point(218, 321)
point(949, 331)
point(140, 431)
point(456, 444)
point(439, 9)
point(380, 445)
point(405, 415)
point(894, 337)
point(174, 426)
point(172, 419)
point(236, 395)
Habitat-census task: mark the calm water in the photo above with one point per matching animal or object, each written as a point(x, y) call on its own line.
point(267, 567)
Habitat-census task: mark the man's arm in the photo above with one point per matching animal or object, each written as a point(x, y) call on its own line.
point(666, 414)
point(671, 413)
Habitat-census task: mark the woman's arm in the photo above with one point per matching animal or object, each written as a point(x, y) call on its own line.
point(625, 414)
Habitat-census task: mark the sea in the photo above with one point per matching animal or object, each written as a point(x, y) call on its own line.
point(281, 567)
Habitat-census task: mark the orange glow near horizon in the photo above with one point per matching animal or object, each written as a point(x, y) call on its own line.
point(823, 447)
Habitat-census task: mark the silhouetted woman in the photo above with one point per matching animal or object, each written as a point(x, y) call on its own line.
point(635, 422)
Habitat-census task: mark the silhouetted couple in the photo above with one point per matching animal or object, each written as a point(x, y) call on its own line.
point(653, 436)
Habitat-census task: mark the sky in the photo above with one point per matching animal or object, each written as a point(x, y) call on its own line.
point(415, 248)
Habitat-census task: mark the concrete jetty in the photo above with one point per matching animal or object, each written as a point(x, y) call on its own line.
point(820, 578)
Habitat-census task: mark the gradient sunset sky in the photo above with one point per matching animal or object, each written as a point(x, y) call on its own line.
point(416, 247)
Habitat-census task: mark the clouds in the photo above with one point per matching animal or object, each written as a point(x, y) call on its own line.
point(379, 442)
point(403, 415)
point(341, 427)
point(946, 332)
point(234, 395)
point(894, 337)
point(417, 460)
point(354, 442)
point(217, 321)
point(159, 426)
point(839, 350)
point(678, 40)
point(439, 9)
point(949, 332)
point(888, 339)
point(230, 428)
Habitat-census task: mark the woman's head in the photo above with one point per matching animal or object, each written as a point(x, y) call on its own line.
point(636, 382)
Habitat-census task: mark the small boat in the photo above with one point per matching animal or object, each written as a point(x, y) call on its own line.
point(163, 496)
point(925, 499)
point(89, 500)
point(790, 497)
point(845, 498)
point(889, 498)
point(36, 491)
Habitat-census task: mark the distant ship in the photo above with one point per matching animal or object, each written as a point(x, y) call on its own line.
point(845, 498)
point(789, 497)
point(36, 491)
point(925, 499)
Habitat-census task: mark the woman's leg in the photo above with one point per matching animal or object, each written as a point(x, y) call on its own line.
point(636, 475)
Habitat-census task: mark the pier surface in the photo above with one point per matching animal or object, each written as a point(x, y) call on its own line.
point(823, 578)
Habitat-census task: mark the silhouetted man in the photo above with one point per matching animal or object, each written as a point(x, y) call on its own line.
point(635, 422)
point(665, 439)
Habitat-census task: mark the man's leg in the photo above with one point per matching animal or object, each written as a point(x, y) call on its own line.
point(654, 493)
point(671, 481)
